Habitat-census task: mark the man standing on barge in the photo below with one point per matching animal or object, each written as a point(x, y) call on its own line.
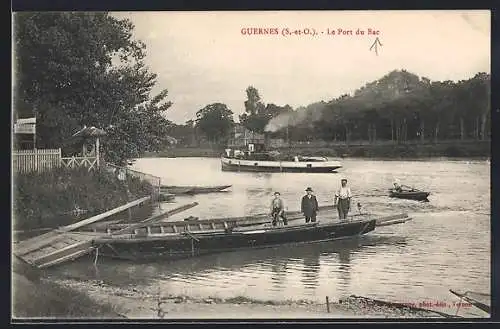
point(342, 199)
point(309, 206)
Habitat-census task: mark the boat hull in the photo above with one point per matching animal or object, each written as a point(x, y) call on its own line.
point(417, 196)
point(237, 165)
point(194, 189)
point(189, 245)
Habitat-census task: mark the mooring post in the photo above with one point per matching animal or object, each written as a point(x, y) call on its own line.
point(96, 255)
point(327, 305)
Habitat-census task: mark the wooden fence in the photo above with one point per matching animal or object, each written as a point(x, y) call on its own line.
point(24, 161)
point(155, 181)
point(77, 162)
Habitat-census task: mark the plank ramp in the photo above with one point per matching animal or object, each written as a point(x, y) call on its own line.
point(61, 244)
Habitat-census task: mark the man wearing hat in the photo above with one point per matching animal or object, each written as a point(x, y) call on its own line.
point(342, 199)
point(278, 209)
point(309, 206)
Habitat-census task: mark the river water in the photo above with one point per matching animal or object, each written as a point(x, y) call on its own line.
point(445, 246)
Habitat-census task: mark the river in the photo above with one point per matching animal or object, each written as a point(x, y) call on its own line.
point(445, 246)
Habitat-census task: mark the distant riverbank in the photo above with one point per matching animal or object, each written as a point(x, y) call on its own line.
point(475, 149)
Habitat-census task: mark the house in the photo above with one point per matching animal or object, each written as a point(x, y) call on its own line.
point(243, 138)
point(25, 134)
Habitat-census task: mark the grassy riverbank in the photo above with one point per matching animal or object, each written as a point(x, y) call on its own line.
point(46, 299)
point(476, 149)
point(48, 199)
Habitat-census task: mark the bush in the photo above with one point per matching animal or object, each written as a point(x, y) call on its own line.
point(359, 152)
point(48, 199)
point(45, 299)
point(453, 151)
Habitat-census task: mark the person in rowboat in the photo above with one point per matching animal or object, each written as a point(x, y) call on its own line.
point(342, 199)
point(278, 209)
point(309, 206)
point(397, 187)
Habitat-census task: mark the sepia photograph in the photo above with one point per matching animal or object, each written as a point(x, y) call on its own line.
point(275, 165)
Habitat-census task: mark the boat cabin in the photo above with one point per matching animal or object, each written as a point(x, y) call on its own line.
point(253, 150)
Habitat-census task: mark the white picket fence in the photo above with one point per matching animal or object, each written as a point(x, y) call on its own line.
point(24, 161)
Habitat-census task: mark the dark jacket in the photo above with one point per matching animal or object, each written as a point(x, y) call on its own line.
point(309, 206)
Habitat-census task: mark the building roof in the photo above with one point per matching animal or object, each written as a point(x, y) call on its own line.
point(171, 139)
point(89, 131)
point(26, 121)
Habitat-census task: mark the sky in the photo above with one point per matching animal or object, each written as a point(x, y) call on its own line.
point(203, 57)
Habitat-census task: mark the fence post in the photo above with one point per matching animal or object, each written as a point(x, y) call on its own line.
point(36, 160)
point(327, 305)
point(59, 159)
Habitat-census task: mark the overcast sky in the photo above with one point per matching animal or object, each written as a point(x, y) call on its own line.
point(202, 57)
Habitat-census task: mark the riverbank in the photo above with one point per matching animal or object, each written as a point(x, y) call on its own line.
point(135, 303)
point(64, 196)
point(469, 149)
point(49, 300)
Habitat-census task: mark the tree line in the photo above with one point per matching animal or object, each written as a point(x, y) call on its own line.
point(399, 107)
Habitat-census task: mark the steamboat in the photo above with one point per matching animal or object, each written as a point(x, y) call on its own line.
point(253, 160)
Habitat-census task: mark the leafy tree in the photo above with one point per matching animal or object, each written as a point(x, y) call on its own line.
point(84, 68)
point(255, 117)
point(215, 121)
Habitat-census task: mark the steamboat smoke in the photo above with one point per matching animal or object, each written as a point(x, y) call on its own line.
point(295, 118)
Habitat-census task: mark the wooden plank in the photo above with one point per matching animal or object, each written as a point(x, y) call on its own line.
point(66, 258)
point(76, 247)
point(34, 243)
point(145, 222)
point(104, 215)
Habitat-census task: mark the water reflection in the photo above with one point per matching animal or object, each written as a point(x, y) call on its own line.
point(278, 273)
point(280, 262)
point(310, 268)
point(344, 271)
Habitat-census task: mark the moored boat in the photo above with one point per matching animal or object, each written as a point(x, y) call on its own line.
point(194, 189)
point(166, 197)
point(192, 237)
point(254, 220)
point(186, 243)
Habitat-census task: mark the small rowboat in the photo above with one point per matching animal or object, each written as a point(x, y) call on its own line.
point(410, 195)
point(193, 189)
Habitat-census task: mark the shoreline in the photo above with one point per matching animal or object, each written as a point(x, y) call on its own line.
point(134, 303)
point(455, 150)
point(430, 158)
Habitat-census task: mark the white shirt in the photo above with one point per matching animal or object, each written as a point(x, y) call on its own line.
point(344, 192)
point(277, 203)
